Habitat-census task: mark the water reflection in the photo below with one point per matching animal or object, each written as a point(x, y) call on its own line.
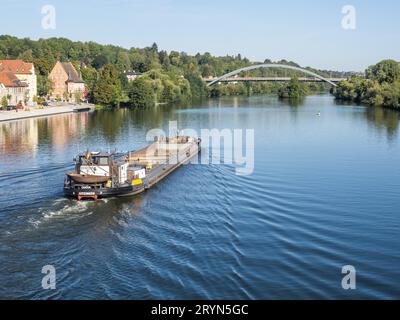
point(19, 137)
point(24, 137)
point(384, 120)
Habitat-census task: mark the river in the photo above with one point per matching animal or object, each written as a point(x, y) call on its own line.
point(324, 194)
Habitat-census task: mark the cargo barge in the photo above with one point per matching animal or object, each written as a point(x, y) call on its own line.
point(102, 174)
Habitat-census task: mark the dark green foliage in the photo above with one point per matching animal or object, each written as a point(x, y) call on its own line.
point(385, 71)
point(198, 86)
point(99, 61)
point(107, 90)
point(174, 76)
point(140, 93)
point(293, 90)
point(43, 85)
point(380, 88)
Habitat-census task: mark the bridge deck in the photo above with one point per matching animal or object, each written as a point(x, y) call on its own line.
point(271, 79)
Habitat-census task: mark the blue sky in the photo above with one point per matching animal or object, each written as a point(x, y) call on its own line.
point(308, 32)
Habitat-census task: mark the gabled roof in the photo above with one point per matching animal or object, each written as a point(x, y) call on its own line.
point(16, 66)
point(69, 69)
point(8, 79)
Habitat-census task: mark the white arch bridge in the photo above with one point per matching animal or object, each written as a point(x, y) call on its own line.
point(313, 77)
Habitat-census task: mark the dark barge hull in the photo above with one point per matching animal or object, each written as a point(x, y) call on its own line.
point(98, 193)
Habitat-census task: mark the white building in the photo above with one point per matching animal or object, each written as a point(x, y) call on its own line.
point(15, 90)
point(25, 72)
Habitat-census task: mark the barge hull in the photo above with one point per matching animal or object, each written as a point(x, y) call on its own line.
point(99, 193)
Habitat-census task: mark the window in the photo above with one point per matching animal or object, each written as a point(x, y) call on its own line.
point(101, 161)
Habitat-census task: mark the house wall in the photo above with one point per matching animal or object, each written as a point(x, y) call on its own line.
point(31, 80)
point(74, 87)
point(17, 94)
point(58, 78)
point(2, 91)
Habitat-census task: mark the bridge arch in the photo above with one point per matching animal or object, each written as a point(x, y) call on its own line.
point(270, 65)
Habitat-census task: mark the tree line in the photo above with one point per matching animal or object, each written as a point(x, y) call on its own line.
point(166, 76)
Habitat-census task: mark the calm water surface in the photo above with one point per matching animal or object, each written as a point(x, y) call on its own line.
point(324, 194)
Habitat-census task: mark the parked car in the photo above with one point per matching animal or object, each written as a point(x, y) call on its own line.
point(20, 107)
point(9, 108)
point(45, 104)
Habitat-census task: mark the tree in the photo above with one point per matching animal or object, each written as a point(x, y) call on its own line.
point(141, 93)
point(107, 90)
point(164, 59)
point(26, 56)
point(293, 90)
point(381, 88)
point(174, 58)
point(100, 61)
point(384, 71)
point(154, 47)
point(78, 97)
point(89, 76)
point(123, 62)
point(43, 85)
point(4, 101)
point(38, 100)
point(66, 96)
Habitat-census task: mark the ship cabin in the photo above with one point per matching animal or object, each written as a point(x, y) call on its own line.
point(95, 164)
point(112, 166)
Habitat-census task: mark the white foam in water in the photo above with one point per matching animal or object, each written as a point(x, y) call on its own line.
point(70, 210)
point(76, 207)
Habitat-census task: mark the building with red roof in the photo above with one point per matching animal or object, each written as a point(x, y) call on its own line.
point(25, 73)
point(15, 90)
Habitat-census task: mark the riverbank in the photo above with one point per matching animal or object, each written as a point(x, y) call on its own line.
point(45, 112)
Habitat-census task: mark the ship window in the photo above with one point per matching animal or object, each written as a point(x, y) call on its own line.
point(100, 161)
point(103, 161)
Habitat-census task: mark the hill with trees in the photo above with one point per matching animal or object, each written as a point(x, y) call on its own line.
point(167, 76)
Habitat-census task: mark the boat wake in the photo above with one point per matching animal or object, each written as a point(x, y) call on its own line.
point(63, 209)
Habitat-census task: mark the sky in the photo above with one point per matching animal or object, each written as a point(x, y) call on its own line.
point(308, 32)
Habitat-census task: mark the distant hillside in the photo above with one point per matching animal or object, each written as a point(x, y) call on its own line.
point(163, 70)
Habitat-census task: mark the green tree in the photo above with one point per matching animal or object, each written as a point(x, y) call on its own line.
point(174, 58)
point(38, 100)
point(78, 97)
point(43, 85)
point(26, 56)
point(100, 61)
point(380, 88)
point(66, 96)
point(198, 87)
point(141, 93)
point(4, 101)
point(123, 62)
point(293, 90)
point(384, 71)
point(107, 90)
point(89, 76)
